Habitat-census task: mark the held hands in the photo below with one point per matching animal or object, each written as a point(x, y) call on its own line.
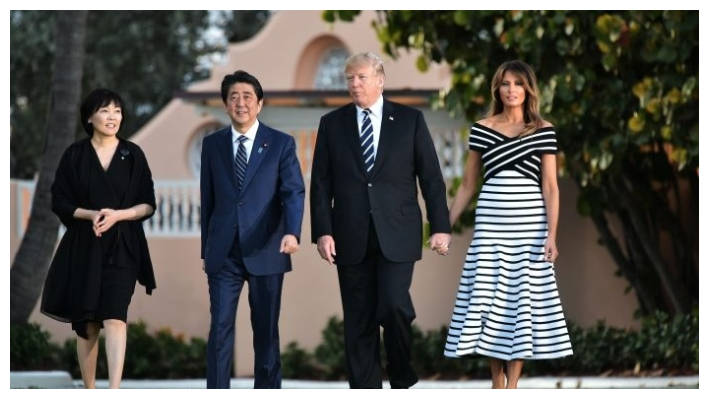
point(105, 219)
point(289, 244)
point(440, 242)
point(326, 248)
point(95, 219)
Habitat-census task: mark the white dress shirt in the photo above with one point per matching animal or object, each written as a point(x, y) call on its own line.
point(375, 115)
point(249, 144)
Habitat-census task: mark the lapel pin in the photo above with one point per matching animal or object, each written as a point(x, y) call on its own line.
point(391, 118)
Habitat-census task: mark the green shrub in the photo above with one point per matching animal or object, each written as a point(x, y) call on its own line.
point(598, 349)
point(148, 356)
point(31, 348)
point(669, 343)
point(662, 345)
point(330, 354)
point(298, 364)
point(163, 355)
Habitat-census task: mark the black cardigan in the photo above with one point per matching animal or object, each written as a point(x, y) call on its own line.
point(71, 289)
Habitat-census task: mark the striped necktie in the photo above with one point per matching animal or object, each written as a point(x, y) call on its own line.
point(240, 161)
point(366, 138)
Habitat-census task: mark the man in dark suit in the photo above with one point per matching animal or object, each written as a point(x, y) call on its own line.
point(252, 195)
point(366, 218)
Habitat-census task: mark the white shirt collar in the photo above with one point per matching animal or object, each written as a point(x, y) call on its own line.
point(376, 109)
point(250, 134)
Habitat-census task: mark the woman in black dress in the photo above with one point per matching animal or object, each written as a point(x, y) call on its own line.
point(102, 192)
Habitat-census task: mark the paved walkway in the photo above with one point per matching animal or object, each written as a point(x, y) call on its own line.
point(62, 379)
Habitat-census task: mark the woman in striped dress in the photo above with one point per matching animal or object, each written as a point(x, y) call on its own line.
point(507, 307)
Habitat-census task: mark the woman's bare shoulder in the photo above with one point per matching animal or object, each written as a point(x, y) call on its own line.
point(488, 122)
point(546, 123)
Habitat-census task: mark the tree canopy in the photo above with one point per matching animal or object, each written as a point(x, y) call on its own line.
point(144, 55)
point(243, 24)
point(622, 89)
point(64, 89)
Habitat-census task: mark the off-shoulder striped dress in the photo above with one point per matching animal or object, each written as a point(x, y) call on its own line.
point(507, 306)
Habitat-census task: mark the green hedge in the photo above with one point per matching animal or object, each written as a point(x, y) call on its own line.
point(161, 355)
point(31, 349)
point(662, 346)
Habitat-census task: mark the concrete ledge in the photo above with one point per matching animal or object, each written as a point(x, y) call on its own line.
point(41, 379)
point(62, 379)
point(525, 383)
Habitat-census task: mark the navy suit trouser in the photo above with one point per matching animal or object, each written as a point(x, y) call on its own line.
point(265, 302)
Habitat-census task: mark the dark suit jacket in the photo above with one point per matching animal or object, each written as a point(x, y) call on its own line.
point(343, 198)
point(269, 205)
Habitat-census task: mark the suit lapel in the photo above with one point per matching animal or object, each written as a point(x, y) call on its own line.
point(351, 131)
point(385, 136)
point(226, 151)
point(262, 143)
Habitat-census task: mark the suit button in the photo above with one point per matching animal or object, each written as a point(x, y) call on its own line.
point(369, 184)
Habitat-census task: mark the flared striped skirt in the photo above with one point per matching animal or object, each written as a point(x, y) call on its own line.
point(508, 306)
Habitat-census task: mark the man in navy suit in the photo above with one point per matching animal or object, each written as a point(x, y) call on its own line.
point(369, 157)
point(252, 196)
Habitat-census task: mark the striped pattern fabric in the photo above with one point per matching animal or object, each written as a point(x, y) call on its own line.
point(240, 161)
point(508, 306)
point(366, 138)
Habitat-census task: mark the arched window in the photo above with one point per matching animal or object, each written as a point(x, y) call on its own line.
point(330, 74)
point(194, 154)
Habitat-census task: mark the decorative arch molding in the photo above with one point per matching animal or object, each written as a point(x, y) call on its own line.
point(194, 144)
point(312, 58)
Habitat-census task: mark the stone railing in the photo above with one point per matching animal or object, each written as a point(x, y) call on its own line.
point(177, 212)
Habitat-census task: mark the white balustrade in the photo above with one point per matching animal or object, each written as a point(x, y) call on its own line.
point(177, 212)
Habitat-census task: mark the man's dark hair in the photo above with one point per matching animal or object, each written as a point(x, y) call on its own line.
point(241, 77)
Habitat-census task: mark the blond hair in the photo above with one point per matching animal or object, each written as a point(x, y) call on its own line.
point(366, 59)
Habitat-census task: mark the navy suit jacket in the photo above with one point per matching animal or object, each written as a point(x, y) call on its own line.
point(343, 198)
point(268, 206)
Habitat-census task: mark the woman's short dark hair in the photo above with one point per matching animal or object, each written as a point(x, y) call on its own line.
point(241, 77)
point(96, 99)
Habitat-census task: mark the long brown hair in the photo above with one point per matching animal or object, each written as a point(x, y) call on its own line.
point(532, 118)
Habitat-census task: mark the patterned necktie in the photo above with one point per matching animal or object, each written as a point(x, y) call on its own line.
point(366, 138)
point(240, 160)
